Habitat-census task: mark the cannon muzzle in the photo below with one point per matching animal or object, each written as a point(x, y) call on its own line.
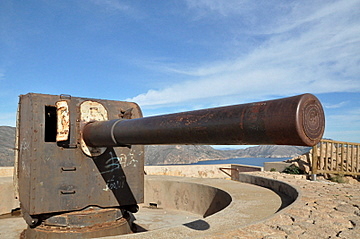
point(297, 120)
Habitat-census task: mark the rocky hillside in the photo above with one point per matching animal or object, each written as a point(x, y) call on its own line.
point(7, 144)
point(185, 154)
point(172, 154)
point(180, 154)
point(268, 151)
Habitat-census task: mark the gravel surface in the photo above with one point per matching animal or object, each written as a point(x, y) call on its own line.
point(325, 210)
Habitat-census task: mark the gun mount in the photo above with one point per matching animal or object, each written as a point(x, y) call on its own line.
point(80, 162)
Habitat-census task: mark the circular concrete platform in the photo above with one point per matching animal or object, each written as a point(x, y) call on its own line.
point(248, 204)
point(179, 207)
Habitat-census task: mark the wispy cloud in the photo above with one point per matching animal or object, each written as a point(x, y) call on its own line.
point(244, 8)
point(322, 57)
point(220, 7)
point(336, 106)
point(112, 5)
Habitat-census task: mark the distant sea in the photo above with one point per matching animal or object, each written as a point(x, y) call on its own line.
point(246, 161)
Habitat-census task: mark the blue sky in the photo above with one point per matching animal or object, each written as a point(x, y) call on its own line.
point(171, 56)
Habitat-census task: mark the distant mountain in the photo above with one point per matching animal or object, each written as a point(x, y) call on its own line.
point(172, 154)
point(7, 145)
point(268, 151)
point(180, 154)
point(185, 154)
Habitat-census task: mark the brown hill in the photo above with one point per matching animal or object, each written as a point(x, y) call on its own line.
point(268, 151)
point(185, 154)
point(172, 154)
point(7, 145)
point(180, 154)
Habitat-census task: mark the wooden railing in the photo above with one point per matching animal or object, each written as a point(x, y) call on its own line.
point(336, 157)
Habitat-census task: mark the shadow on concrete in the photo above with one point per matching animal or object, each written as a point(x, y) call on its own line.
point(198, 225)
point(137, 228)
point(286, 200)
point(220, 201)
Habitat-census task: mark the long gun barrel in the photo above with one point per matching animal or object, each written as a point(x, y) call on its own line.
point(297, 120)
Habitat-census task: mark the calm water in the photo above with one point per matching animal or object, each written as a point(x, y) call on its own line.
point(246, 161)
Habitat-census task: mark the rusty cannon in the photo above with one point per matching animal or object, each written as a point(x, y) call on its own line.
point(297, 120)
point(80, 161)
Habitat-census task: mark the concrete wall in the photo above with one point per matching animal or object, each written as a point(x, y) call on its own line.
point(8, 202)
point(278, 166)
point(288, 192)
point(6, 171)
point(200, 171)
point(197, 198)
point(197, 171)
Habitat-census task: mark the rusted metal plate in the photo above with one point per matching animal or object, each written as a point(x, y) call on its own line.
point(114, 228)
point(56, 176)
point(85, 218)
point(63, 121)
point(91, 111)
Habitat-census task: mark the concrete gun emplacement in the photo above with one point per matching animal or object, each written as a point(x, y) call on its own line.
point(86, 155)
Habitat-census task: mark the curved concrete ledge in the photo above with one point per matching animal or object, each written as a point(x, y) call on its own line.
point(288, 193)
point(249, 204)
point(200, 199)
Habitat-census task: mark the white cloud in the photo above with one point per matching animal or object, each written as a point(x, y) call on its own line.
point(112, 5)
point(221, 7)
point(253, 11)
point(336, 106)
point(316, 52)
